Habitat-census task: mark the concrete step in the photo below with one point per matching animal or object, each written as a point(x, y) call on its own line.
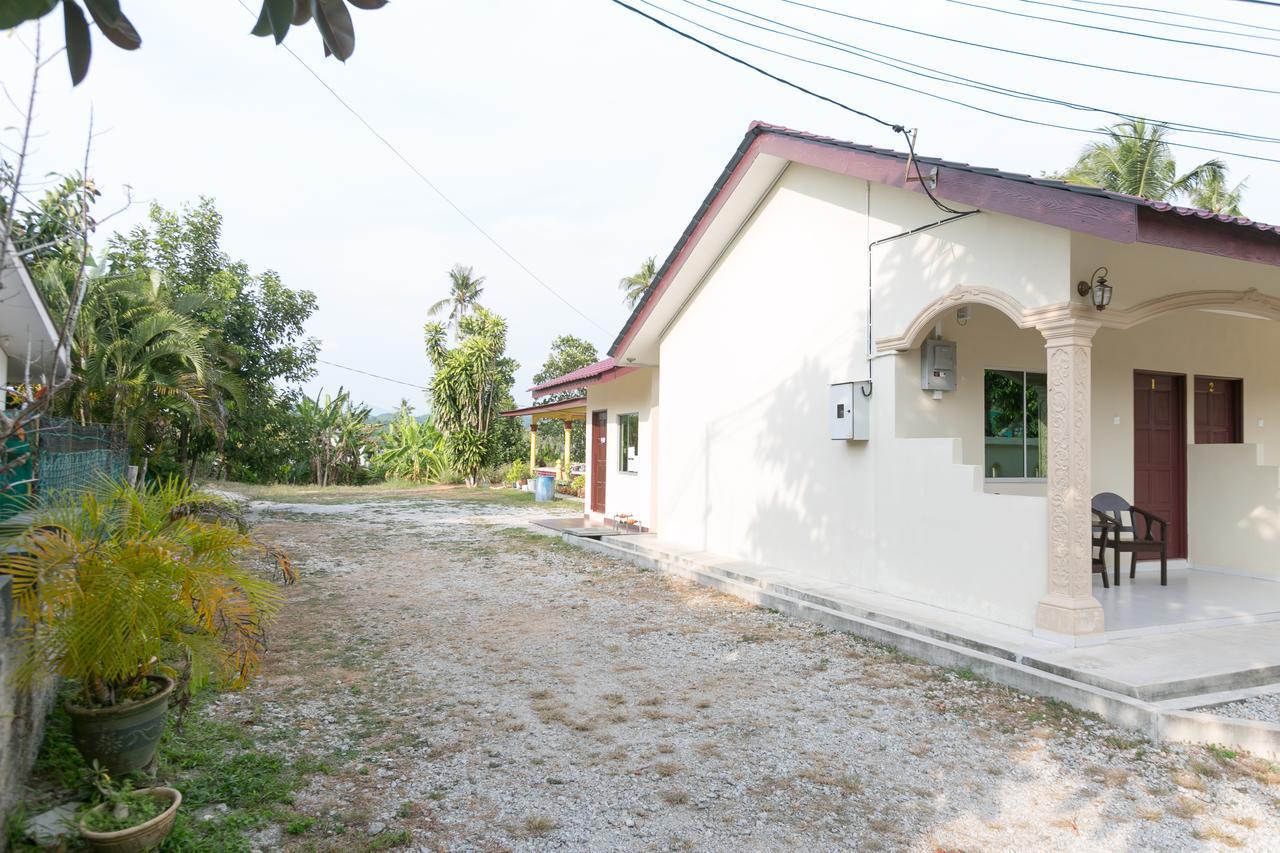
point(1128, 705)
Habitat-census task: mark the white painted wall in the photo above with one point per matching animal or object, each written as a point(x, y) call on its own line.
point(626, 492)
point(989, 340)
point(1233, 510)
point(1230, 509)
point(748, 468)
point(1139, 272)
point(1190, 343)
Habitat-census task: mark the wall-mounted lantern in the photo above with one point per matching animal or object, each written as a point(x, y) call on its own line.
point(1098, 287)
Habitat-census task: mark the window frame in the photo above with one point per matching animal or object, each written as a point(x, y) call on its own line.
point(986, 477)
point(622, 442)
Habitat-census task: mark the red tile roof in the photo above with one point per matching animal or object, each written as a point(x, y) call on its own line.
point(599, 372)
point(763, 127)
point(757, 129)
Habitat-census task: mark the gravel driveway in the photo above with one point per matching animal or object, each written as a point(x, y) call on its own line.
point(472, 684)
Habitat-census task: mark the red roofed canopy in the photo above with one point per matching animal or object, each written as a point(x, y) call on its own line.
point(602, 371)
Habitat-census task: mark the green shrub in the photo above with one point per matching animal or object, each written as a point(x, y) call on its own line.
point(518, 471)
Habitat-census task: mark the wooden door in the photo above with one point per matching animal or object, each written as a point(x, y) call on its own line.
point(599, 458)
point(1218, 410)
point(1160, 452)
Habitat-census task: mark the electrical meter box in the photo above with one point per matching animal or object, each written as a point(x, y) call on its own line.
point(850, 412)
point(938, 365)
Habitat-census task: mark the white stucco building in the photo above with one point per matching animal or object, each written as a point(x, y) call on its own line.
point(28, 337)
point(815, 262)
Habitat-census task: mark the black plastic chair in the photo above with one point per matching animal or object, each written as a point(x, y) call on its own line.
point(1101, 525)
point(1154, 539)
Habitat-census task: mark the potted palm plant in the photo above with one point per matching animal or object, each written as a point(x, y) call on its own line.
point(115, 586)
point(127, 820)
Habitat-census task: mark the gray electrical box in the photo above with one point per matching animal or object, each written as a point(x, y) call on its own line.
point(849, 414)
point(938, 365)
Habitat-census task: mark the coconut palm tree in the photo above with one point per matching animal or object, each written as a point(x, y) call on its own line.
point(1135, 159)
point(634, 286)
point(1214, 195)
point(465, 288)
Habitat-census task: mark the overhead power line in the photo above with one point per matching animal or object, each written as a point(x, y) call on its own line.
point(432, 186)
point(1150, 75)
point(892, 84)
point(1149, 36)
point(896, 128)
point(891, 125)
point(1148, 20)
point(374, 375)
point(1174, 14)
point(950, 78)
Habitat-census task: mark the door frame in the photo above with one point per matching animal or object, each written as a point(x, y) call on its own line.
point(599, 446)
point(1178, 546)
point(1238, 383)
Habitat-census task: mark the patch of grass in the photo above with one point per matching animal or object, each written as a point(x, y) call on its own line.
point(1209, 771)
point(843, 781)
point(538, 825)
point(299, 825)
point(389, 840)
point(1187, 808)
point(1059, 713)
point(1213, 833)
point(1118, 742)
point(674, 796)
point(212, 760)
point(15, 828)
point(966, 674)
point(1222, 753)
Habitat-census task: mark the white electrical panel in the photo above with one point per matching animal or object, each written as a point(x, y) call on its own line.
point(937, 365)
point(849, 414)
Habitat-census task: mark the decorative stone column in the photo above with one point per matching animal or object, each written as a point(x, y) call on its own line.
point(1069, 607)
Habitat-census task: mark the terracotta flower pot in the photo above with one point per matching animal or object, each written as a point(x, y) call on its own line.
point(122, 738)
point(144, 836)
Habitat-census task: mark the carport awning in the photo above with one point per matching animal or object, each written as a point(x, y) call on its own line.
point(573, 409)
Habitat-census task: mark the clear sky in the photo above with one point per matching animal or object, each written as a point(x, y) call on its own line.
point(578, 134)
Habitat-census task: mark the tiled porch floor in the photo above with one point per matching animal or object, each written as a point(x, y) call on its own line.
point(1193, 599)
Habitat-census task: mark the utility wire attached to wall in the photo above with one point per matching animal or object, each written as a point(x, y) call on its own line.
point(894, 126)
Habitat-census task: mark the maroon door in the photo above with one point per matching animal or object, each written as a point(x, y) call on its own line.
point(1218, 410)
point(1160, 453)
point(599, 458)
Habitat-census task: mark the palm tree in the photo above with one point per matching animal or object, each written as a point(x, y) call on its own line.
point(1136, 160)
point(141, 360)
point(465, 288)
point(635, 285)
point(1214, 195)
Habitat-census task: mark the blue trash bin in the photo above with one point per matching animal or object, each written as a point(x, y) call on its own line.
point(544, 488)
